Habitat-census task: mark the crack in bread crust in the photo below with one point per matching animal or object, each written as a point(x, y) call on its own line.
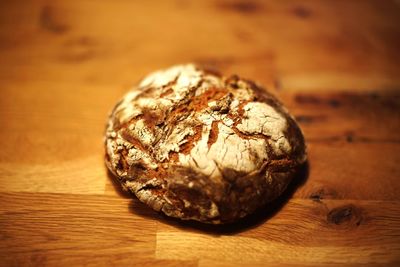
point(197, 145)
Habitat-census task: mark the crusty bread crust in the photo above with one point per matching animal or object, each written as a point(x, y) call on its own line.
point(196, 145)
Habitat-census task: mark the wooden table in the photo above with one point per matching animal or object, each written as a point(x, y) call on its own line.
point(64, 64)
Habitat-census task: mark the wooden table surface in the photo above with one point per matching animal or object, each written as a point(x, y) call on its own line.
point(64, 64)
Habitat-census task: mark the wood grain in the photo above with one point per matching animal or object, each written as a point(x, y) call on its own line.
point(335, 65)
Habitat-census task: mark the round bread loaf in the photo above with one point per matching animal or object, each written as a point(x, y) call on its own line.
point(196, 145)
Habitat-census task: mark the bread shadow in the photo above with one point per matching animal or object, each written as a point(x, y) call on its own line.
point(259, 217)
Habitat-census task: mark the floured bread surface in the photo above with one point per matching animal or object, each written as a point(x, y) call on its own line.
point(197, 145)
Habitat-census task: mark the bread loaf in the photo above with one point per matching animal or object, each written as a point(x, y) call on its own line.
point(196, 145)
